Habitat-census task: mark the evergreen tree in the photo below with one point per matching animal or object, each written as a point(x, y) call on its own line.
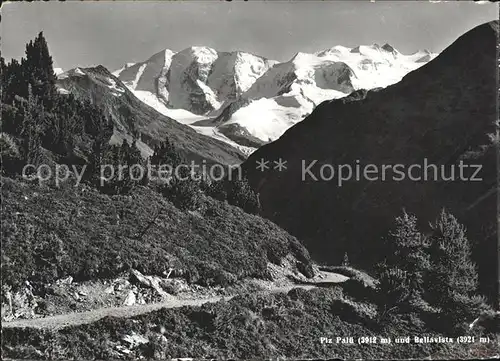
point(242, 195)
point(93, 171)
point(166, 154)
point(453, 276)
point(452, 282)
point(236, 192)
point(101, 153)
point(134, 159)
point(147, 168)
point(184, 194)
point(31, 130)
point(40, 70)
point(406, 262)
point(394, 287)
point(345, 261)
point(13, 81)
point(135, 156)
point(12, 117)
point(33, 110)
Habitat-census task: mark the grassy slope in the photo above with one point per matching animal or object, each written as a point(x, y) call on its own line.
point(50, 233)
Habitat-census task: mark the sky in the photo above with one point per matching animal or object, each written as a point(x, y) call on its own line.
point(84, 33)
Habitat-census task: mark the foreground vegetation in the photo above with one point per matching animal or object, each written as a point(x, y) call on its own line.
point(406, 299)
point(249, 326)
point(99, 230)
point(49, 233)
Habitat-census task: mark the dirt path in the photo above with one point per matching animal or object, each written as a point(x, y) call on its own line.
point(80, 318)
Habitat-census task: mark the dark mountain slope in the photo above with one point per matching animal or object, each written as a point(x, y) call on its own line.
point(445, 112)
point(130, 116)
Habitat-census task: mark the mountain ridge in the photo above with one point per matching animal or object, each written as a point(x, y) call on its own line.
point(250, 100)
point(445, 112)
point(130, 116)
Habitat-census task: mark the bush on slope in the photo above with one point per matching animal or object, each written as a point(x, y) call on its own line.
point(50, 233)
point(247, 327)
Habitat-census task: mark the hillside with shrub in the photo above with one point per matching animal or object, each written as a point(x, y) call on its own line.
point(97, 230)
point(405, 299)
point(50, 233)
point(249, 326)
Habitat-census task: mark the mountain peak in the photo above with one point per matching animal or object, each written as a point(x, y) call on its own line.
point(389, 48)
point(199, 50)
point(101, 69)
point(58, 71)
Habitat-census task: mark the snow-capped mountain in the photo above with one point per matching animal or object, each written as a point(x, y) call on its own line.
point(251, 100)
point(197, 79)
point(133, 118)
point(58, 71)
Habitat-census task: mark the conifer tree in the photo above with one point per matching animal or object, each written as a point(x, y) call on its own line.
point(13, 82)
point(134, 155)
point(166, 153)
point(406, 262)
point(39, 69)
point(452, 272)
point(103, 131)
point(31, 130)
point(453, 279)
point(345, 260)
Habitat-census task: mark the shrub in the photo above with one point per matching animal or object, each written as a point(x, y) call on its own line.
point(213, 274)
point(10, 157)
point(236, 192)
point(360, 289)
point(49, 233)
point(394, 289)
point(184, 194)
point(354, 311)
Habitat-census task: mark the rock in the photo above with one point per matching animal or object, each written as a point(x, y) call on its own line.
point(82, 293)
point(134, 340)
point(140, 299)
point(148, 281)
point(123, 349)
point(121, 284)
point(65, 281)
point(109, 290)
point(130, 299)
point(22, 303)
point(173, 287)
point(305, 269)
point(24, 313)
